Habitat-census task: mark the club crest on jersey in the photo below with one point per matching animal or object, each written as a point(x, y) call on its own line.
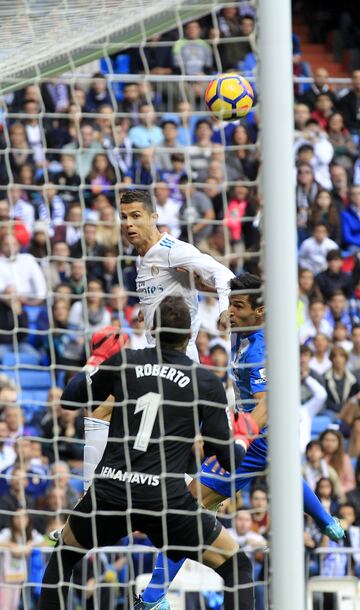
point(155, 270)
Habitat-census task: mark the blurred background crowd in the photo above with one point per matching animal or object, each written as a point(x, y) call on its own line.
point(67, 151)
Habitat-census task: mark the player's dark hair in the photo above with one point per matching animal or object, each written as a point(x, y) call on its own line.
point(138, 196)
point(172, 313)
point(248, 284)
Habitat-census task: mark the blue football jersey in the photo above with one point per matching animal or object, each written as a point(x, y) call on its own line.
point(248, 355)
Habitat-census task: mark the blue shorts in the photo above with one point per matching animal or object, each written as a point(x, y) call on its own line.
point(253, 465)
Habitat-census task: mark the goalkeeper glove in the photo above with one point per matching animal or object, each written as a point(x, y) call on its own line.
point(244, 428)
point(105, 343)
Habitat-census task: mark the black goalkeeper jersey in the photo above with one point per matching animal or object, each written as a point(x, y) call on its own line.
point(162, 401)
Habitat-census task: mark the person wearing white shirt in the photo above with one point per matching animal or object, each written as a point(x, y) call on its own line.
point(21, 271)
point(315, 324)
point(7, 452)
point(313, 251)
point(167, 209)
point(310, 408)
point(249, 541)
point(320, 362)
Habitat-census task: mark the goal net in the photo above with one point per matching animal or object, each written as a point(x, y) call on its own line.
point(98, 98)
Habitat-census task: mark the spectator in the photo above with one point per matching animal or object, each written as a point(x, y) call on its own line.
point(60, 473)
point(19, 154)
point(319, 86)
point(167, 209)
point(351, 220)
point(15, 420)
point(7, 453)
point(196, 214)
point(354, 355)
point(70, 232)
point(334, 454)
point(21, 271)
point(67, 427)
point(316, 468)
point(85, 148)
point(169, 145)
point(67, 180)
point(308, 289)
point(302, 115)
point(202, 344)
point(324, 108)
point(147, 133)
point(98, 93)
point(316, 322)
point(232, 54)
point(77, 280)
point(340, 185)
point(349, 105)
point(101, 178)
point(58, 269)
point(353, 496)
point(242, 162)
point(131, 102)
point(107, 270)
point(201, 152)
point(16, 497)
point(248, 540)
point(90, 315)
point(16, 544)
point(119, 149)
point(88, 247)
point(315, 148)
point(118, 307)
point(51, 208)
point(33, 131)
point(320, 361)
point(333, 279)
point(348, 515)
point(21, 209)
point(108, 230)
point(259, 514)
point(323, 210)
point(159, 58)
point(13, 325)
point(306, 191)
point(340, 138)
point(313, 396)
point(340, 337)
point(324, 490)
point(192, 55)
point(39, 245)
point(17, 228)
point(137, 332)
point(340, 383)
point(338, 310)
point(64, 337)
point(313, 251)
point(8, 392)
point(144, 170)
point(172, 176)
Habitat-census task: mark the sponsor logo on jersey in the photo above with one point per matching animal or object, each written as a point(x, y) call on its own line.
point(139, 478)
point(155, 270)
point(262, 378)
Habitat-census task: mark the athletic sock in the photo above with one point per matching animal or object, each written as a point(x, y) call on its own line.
point(235, 572)
point(59, 569)
point(163, 574)
point(314, 508)
point(96, 436)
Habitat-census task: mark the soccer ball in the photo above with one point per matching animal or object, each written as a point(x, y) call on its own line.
point(229, 96)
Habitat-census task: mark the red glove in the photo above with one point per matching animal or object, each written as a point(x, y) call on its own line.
point(105, 343)
point(244, 428)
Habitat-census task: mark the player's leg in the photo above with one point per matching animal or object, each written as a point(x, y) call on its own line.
point(78, 536)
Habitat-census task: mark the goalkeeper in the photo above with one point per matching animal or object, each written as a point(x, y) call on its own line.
point(162, 398)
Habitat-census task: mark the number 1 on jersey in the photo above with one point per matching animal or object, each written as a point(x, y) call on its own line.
point(148, 404)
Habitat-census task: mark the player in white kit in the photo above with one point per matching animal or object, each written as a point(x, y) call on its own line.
point(167, 266)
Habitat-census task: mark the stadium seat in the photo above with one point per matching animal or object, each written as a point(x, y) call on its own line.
point(36, 380)
point(12, 359)
point(319, 424)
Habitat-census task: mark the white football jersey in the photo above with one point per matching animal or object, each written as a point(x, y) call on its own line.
point(157, 278)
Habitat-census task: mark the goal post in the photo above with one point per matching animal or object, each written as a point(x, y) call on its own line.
point(280, 256)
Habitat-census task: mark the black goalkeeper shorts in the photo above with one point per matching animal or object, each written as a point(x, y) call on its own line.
point(97, 522)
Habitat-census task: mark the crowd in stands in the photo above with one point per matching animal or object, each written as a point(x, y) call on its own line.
point(67, 153)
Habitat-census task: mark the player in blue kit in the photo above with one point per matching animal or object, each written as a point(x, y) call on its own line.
point(246, 311)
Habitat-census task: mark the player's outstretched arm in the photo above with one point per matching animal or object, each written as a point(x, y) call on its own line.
point(259, 413)
point(210, 270)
